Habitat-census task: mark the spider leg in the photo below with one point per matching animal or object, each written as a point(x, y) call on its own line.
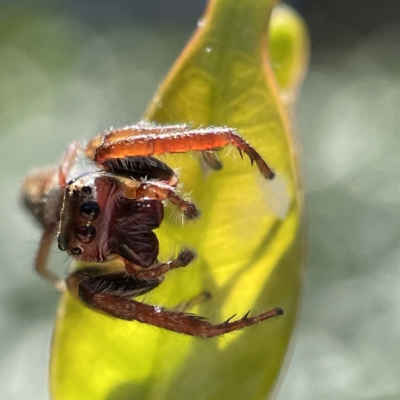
point(149, 140)
point(67, 162)
point(42, 255)
point(184, 258)
point(141, 168)
point(115, 285)
point(111, 295)
point(159, 191)
point(165, 191)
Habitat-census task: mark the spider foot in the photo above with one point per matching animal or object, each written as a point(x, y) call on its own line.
point(185, 257)
point(247, 321)
point(191, 211)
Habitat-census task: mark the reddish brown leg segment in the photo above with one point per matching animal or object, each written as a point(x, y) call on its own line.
point(139, 140)
point(188, 324)
point(166, 192)
point(42, 256)
point(113, 286)
point(112, 294)
point(67, 162)
point(184, 258)
point(160, 191)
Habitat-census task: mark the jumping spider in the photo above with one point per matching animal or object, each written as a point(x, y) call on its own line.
point(109, 209)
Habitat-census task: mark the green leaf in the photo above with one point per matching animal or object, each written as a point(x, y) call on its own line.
point(288, 48)
point(248, 238)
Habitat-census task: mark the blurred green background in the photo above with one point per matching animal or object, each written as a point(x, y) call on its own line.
point(71, 68)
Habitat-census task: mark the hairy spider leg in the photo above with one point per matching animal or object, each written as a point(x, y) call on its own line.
point(111, 295)
point(117, 284)
point(141, 140)
point(160, 269)
point(129, 131)
point(67, 163)
point(42, 255)
point(159, 191)
point(209, 157)
point(50, 230)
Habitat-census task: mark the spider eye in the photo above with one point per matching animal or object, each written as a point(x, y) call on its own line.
point(87, 189)
point(76, 251)
point(90, 210)
point(86, 233)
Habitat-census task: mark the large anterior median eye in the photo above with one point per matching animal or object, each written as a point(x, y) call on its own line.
point(90, 210)
point(85, 233)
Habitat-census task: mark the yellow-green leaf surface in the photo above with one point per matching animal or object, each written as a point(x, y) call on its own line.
point(248, 238)
point(288, 48)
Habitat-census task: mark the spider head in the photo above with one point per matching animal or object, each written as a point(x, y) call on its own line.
point(85, 217)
